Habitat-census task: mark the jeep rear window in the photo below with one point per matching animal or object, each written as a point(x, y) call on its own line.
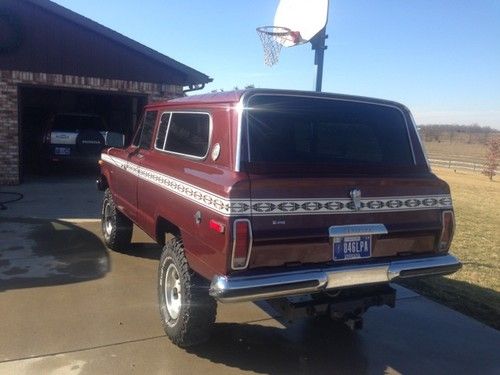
point(188, 134)
point(74, 123)
point(312, 131)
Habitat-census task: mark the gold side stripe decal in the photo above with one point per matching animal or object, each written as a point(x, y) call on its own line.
point(279, 207)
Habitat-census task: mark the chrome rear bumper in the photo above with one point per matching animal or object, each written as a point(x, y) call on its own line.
point(266, 286)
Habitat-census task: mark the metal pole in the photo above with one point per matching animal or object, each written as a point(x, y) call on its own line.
point(319, 46)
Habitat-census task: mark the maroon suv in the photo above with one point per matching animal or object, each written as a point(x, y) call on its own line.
point(271, 194)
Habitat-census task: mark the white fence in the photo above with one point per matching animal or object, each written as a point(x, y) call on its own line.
point(457, 164)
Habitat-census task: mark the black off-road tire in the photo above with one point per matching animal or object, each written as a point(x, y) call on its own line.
point(197, 311)
point(90, 142)
point(116, 227)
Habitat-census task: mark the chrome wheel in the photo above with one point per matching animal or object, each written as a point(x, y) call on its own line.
point(186, 309)
point(173, 291)
point(116, 227)
point(108, 220)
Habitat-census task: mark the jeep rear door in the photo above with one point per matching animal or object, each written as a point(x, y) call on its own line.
point(306, 155)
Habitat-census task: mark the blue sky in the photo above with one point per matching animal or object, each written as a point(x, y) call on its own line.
point(440, 58)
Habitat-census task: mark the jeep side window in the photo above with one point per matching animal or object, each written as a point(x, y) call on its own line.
point(188, 134)
point(144, 135)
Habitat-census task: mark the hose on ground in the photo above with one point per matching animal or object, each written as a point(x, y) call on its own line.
point(18, 197)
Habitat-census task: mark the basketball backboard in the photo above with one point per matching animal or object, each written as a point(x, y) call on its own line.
point(308, 17)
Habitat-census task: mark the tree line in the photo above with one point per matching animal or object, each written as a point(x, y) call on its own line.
point(457, 133)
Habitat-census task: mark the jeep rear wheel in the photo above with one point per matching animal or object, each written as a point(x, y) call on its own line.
point(116, 227)
point(187, 311)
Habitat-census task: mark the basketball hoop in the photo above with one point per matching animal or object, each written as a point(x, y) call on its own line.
point(273, 38)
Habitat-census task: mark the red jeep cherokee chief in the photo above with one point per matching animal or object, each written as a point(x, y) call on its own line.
point(275, 194)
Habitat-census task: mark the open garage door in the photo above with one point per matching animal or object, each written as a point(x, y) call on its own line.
point(41, 109)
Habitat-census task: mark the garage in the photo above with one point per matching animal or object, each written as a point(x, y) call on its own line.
point(56, 64)
point(40, 108)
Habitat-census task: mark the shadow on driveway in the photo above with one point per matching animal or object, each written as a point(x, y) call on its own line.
point(418, 337)
point(314, 346)
point(39, 252)
point(146, 250)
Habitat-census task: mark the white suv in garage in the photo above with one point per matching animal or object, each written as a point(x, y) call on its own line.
point(77, 137)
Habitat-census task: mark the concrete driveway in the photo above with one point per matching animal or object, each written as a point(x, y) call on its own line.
point(62, 195)
point(69, 305)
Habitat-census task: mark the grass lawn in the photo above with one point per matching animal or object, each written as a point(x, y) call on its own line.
point(475, 289)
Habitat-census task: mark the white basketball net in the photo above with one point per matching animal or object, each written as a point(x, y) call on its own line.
point(272, 38)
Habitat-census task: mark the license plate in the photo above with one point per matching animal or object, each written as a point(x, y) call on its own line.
point(62, 151)
point(352, 247)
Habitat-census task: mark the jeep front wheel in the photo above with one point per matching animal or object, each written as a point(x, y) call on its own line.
point(187, 311)
point(116, 227)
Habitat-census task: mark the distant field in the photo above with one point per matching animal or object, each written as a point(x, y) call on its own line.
point(475, 289)
point(456, 150)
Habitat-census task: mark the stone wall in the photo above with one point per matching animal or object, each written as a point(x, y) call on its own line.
point(9, 127)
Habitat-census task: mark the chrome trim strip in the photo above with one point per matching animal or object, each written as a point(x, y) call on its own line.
point(439, 263)
point(356, 230)
point(421, 144)
point(410, 141)
point(166, 130)
point(190, 192)
point(280, 207)
point(239, 109)
point(227, 289)
point(255, 287)
point(310, 206)
point(358, 275)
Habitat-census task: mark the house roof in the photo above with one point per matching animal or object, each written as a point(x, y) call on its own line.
point(192, 76)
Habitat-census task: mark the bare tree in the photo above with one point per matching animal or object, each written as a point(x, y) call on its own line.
point(492, 158)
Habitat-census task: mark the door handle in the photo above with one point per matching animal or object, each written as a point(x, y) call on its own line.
point(140, 156)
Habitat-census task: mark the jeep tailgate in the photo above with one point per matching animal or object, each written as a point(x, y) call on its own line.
point(316, 163)
point(291, 217)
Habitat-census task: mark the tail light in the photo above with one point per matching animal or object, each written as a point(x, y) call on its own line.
point(448, 222)
point(242, 244)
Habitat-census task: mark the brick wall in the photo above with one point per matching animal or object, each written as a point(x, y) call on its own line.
point(9, 128)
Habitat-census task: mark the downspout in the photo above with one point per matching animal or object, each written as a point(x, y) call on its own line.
point(199, 86)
